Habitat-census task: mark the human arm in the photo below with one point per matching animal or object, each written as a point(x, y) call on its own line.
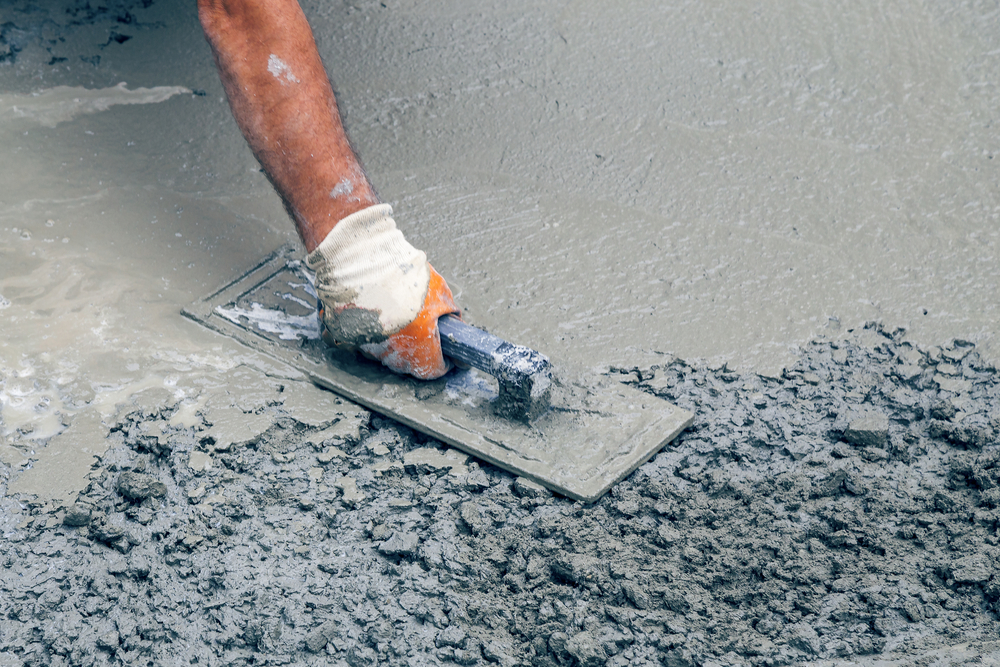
point(283, 102)
point(378, 293)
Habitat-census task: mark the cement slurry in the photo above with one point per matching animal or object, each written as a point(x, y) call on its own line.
point(600, 183)
point(710, 180)
point(607, 184)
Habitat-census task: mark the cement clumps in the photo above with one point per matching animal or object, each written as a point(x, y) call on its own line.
point(869, 431)
point(400, 544)
point(977, 569)
point(525, 488)
point(732, 546)
point(138, 486)
point(77, 515)
point(428, 460)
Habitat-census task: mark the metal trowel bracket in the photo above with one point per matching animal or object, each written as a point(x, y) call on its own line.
point(577, 433)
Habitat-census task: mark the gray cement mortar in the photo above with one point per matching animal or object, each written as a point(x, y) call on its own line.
point(797, 164)
point(847, 510)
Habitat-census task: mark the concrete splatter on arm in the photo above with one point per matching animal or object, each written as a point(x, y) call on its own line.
point(378, 294)
point(283, 102)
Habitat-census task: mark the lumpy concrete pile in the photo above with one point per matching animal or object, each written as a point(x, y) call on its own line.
point(846, 509)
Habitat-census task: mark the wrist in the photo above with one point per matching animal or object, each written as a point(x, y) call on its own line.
point(317, 227)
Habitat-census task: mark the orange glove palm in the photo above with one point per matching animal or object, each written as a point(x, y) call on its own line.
point(416, 349)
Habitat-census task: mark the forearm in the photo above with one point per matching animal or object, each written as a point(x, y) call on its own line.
point(283, 102)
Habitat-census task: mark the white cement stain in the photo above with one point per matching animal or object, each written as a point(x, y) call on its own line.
point(342, 189)
point(288, 327)
point(60, 104)
point(280, 70)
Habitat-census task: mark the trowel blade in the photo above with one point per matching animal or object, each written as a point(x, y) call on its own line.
point(597, 432)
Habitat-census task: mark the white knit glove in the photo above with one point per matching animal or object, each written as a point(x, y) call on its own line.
point(372, 283)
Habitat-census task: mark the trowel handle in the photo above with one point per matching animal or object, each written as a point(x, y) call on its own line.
point(524, 374)
point(480, 349)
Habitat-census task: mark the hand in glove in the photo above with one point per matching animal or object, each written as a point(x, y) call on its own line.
point(379, 295)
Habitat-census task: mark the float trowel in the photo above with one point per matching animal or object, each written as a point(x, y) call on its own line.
point(575, 432)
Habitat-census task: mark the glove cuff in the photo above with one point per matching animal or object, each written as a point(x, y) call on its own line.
point(371, 281)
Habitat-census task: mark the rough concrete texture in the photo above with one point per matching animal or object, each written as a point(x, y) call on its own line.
point(600, 182)
point(762, 536)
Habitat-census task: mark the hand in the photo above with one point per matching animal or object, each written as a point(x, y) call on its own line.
point(379, 295)
point(416, 349)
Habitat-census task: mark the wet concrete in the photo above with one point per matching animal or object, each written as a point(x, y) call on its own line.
point(693, 178)
point(842, 514)
point(589, 431)
point(616, 186)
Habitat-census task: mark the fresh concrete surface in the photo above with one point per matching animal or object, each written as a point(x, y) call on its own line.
point(609, 183)
point(604, 183)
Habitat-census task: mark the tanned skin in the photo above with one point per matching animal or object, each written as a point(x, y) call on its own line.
point(283, 102)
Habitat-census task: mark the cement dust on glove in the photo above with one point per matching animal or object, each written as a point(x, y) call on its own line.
point(379, 295)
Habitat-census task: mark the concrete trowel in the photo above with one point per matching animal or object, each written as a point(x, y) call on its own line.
point(575, 432)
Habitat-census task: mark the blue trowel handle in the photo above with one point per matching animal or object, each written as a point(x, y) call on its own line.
point(523, 374)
